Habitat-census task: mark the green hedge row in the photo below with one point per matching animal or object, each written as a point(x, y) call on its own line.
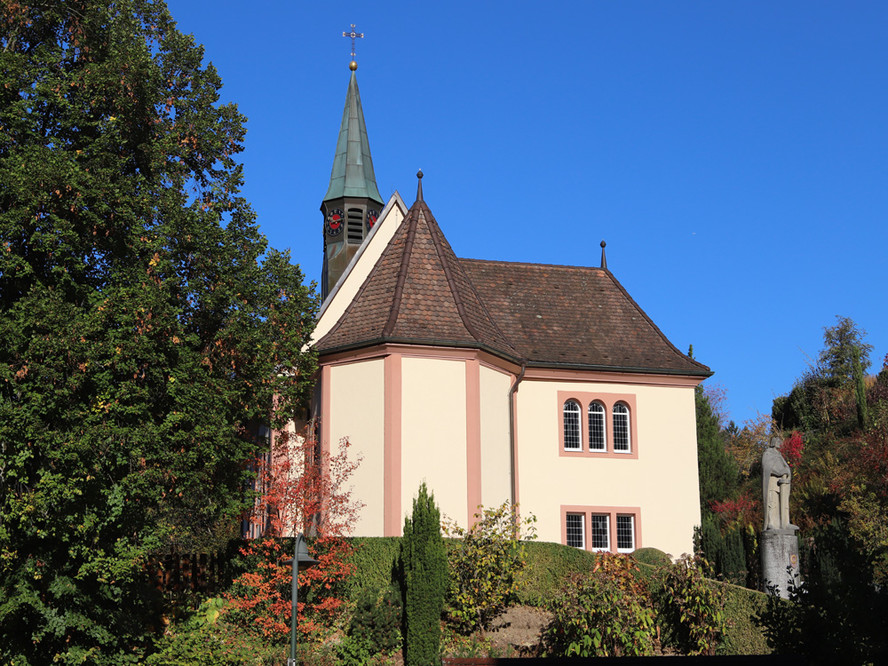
point(548, 565)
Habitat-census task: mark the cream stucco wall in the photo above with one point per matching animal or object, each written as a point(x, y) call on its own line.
point(496, 479)
point(662, 481)
point(433, 433)
point(357, 412)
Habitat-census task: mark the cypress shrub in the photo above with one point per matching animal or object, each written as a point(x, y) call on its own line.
point(424, 579)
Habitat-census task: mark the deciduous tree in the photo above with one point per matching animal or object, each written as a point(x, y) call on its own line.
point(144, 323)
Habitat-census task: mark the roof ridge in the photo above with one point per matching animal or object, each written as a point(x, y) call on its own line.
point(531, 263)
point(412, 221)
point(437, 236)
point(649, 320)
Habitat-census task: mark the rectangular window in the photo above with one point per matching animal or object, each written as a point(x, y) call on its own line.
point(600, 532)
point(625, 533)
point(576, 530)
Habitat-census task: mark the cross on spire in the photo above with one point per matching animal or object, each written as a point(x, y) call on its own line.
point(353, 35)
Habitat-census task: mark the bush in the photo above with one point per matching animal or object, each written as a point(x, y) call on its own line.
point(208, 638)
point(424, 575)
point(652, 556)
point(486, 563)
point(376, 621)
point(691, 609)
point(605, 613)
point(549, 565)
point(376, 561)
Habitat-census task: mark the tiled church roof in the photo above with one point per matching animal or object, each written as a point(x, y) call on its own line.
point(419, 292)
point(574, 316)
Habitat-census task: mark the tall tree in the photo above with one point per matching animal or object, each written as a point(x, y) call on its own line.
point(424, 573)
point(145, 328)
point(840, 344)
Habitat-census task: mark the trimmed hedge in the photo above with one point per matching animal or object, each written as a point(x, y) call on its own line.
point(548, 565)
point(652, 556)
point(375, 559)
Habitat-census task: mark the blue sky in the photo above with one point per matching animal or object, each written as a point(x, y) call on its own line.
point(734, 156)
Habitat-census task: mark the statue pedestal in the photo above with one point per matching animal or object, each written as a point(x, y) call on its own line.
point(780, 560)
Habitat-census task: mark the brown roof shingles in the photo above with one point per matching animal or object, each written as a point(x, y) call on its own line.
point(420, 292)
point(574, 316)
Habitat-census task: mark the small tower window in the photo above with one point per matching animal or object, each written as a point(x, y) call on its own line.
point(355, 226)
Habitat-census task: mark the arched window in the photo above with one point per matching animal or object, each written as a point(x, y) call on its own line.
point(572, 413)
point(597, 437)
point(622, 436)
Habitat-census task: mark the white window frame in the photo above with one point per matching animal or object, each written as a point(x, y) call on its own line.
point(631, 519)
point(578, 415)
point(567, 528)
point(621, 411)
point(607, 535)
point(600, 414)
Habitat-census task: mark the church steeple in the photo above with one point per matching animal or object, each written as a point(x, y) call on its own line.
point(352, 203)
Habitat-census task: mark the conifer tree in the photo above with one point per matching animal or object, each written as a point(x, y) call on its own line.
point(424, 571)
point(143, 323)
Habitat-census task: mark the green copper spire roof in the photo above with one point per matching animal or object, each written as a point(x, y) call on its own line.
point(352, 174)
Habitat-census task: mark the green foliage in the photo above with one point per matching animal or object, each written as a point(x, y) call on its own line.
point(549, 565)
point(207, 638)
point(859, 389)
point(717, 468)
point(376, 621)
point(354, 650)
point(486, 565)
point(143, 321)
point(691, 609)
point(723, 550)
point(841, 344)
point(838, 615)
point(607, 612)
point(424, 570)
point(376, 560)
point(652, 556)
point(743, 635)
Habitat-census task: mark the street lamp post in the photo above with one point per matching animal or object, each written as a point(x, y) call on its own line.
point(300, 556)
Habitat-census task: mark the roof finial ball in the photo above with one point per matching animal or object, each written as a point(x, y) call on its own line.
point(352, 65)
point(603, 258)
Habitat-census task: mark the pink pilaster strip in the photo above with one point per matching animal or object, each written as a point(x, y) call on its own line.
point(473, 438)
point(391, 521)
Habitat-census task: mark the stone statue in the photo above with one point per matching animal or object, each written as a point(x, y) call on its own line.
point(776, 483)
point(779, 544)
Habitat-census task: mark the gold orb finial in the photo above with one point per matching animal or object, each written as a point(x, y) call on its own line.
point(353, 65)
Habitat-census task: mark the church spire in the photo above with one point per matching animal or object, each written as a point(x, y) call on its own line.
point(352, 174)
point(352, 203)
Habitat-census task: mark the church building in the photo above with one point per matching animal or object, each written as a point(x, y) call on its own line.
point(491, 380)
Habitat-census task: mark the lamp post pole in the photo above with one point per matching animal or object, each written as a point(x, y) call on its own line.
point(300, 556)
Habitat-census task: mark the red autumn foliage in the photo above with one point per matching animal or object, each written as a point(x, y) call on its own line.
point(792, 449)
point(741, 511)
point(302, 490)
